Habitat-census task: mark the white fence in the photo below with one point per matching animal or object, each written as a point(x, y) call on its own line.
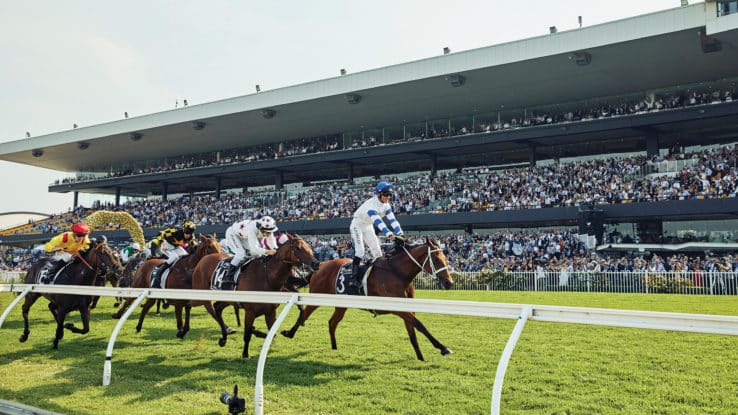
point(521, 312)
point(704, 283)
point(690, 282)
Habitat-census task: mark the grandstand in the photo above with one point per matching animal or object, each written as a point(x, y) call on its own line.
point(643, 87)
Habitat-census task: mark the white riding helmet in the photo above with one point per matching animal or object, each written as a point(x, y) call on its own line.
point(266, 224)
point(136, 247)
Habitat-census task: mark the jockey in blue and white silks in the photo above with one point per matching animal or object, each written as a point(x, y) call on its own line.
point(366, 217)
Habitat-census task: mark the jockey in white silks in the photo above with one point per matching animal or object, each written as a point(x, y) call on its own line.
point(249, 239)
point(366, 217)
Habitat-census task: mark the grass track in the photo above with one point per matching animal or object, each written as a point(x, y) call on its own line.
point(555, 369)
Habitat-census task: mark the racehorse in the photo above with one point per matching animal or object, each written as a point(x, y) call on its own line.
point(261, 274)
point(83, 270)
point(390, 276)
point(180, 276)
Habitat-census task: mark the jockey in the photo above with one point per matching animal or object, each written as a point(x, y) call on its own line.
point(245, 240)
point(129, 252)
point(66, 246)
point(366, 217)
point(172, 242)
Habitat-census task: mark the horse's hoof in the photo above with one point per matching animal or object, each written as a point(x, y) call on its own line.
point(23, 338)
point(446, 351)
point(221, 342)
point(180, 335)
point(138, 329)
point(286, 333)
point(259, 334)
point(230, 331)
point(69, 326)
point(116, 305)
point(165, 306)
point(115, 316)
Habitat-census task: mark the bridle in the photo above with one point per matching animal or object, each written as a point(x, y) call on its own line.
point(428, 259)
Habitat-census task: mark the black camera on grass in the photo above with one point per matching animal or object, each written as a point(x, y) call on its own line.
point(236, 405)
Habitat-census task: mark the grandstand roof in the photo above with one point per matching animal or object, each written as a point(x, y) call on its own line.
point(642, 53)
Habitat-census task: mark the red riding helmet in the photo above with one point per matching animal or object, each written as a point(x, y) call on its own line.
point(80, 228)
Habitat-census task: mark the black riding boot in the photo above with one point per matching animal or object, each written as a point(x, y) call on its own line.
point(156, 283)
point(355, 271)
point(231, 275)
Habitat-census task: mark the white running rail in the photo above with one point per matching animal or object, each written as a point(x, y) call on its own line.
point(698, 323)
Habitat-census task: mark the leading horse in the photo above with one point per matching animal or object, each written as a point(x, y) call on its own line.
point(262, 274)
point(83, 270)
point(390, 276)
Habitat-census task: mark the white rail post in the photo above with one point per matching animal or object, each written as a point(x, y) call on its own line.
point(108, 367)
point(14, 303)
point(526, 313)
point(259, 387)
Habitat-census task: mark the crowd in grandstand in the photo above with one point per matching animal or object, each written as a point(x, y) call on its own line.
point(708, 173)
point(310, 145)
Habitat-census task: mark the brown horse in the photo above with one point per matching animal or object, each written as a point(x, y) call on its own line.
point(180, 277)
point(261, 274)
point(83, 270)
point(391, 276)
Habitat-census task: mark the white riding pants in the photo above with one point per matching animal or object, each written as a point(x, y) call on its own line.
point(364, 234)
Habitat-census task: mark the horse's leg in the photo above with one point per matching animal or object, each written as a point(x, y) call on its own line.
point(333, 323)
point(94, 302)
point(123, 308)
point(145, 309)
point(84, 312)
point(59, 329)
point(300, 321)
point(412, 323)
point(237, 309)
point(27, 304)
point(186, 326)
point(260, 334)
point(248, 328)
point(218, 316)
point(178, 316)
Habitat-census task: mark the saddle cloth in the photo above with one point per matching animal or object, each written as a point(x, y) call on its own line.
point(43, 276)
point(346, 285)
point(216, 280)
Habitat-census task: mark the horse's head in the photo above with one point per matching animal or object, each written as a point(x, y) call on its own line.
point(297, 252)
point(208, 245)
point(432, 260)
point(101, 255)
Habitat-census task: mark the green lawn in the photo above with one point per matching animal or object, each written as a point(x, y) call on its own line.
point(555, 369)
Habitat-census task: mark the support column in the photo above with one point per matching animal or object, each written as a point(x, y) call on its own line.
point(76, 199)
point(532, 156)
point(350, 172)
point(164, 189)
point(279, 179)
point(652, 145)
point(218, 185)
point(117, 196)
point(434, 165)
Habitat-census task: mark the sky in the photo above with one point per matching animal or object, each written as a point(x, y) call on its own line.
point(87, 62)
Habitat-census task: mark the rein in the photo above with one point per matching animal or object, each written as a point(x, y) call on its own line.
point(428, 259)
point(87, 264)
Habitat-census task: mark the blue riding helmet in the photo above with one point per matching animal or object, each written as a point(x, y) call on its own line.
point(384, 187)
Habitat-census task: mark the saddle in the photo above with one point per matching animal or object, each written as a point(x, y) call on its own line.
point(345, 283)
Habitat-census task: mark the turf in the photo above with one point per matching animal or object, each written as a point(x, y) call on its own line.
point(555, 369)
